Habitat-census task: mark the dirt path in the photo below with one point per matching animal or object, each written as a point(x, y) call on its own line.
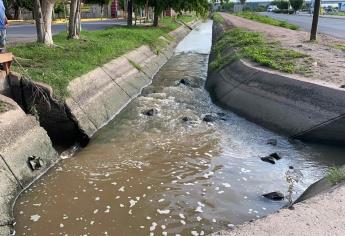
point(318, 216)
point(329, 62)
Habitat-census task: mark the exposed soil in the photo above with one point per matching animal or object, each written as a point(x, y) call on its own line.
point(328, 66)
point(321, 215)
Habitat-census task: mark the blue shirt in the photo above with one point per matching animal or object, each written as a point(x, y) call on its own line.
point(2, 16)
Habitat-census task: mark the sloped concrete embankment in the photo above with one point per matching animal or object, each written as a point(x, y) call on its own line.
point(96, 97)
point(282, 102)
point(21, 137)
point(102, 93)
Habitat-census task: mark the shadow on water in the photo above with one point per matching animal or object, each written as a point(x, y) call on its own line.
point(170, 173)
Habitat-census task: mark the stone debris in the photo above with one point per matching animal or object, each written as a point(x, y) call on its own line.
point(275, 196)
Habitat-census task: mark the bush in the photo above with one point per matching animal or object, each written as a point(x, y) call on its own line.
point(335, 175)
point(296, 4)
point(281, 4)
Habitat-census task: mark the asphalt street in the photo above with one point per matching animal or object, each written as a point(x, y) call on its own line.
point(331, 26)
point(27, 32)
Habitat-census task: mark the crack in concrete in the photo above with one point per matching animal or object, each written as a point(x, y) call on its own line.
point(9, 168)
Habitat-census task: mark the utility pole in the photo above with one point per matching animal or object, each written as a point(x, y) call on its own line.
point(316, 14)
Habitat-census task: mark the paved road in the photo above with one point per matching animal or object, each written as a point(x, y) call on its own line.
point(27, 32)
point(330, 26)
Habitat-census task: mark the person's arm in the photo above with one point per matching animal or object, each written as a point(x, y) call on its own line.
point(6, 22)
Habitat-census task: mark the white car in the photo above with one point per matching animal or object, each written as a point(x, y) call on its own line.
point(271, 8)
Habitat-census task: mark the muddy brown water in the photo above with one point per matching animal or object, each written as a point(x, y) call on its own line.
point(162, 175)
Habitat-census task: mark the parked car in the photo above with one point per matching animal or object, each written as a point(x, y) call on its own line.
point(272, 8)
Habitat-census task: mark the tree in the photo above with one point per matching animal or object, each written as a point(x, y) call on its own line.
point(130, 13)
point(74, 20)
point(199, 6)
point(43, 10)
point(281, 4)
point(316, 14)
point(296, 4)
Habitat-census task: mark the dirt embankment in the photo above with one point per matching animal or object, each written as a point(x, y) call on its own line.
point(328, 67)
point(321, 215)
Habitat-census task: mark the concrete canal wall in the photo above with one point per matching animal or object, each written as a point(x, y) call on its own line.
point(94, 99)
point(21, 137)
point(285, 103)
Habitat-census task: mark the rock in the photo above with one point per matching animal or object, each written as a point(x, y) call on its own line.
point(314, 63)
point(342, 86)
point(272, 142)
point(275, 156)
point(150, 112)
point(272, 158)
point(275, 196)
point(35, 163)
point(210, 118)
point(186, 119)
point(268, 159)
point(221, 114)
point(299, 45)
point(185, 82)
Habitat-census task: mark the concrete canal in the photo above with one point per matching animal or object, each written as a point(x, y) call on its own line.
point(172, 163)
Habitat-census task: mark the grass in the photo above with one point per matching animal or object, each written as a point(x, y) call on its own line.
point(2, 106)
point(336, 13)
point(267, 20)
point(335, 175)
point(217, 18)
point(340, 46)
point(57, 66)
point(238, 43)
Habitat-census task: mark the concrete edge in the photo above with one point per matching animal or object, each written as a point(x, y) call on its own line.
point(287, 104)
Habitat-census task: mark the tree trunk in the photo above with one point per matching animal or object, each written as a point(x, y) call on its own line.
point(315, 20)
point(17, 12)
point(102, 11)
point(74, 20)
point(39, 21)
point(130, 13)
point(47, 11)
point(156, 17)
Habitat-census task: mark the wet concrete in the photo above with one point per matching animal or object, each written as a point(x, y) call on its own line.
point(171, 173)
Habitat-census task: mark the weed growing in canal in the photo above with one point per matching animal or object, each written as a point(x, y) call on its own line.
point(135, 65)
point(267, 20)
point(292, 177)
point(238, 43)
point(335, 175)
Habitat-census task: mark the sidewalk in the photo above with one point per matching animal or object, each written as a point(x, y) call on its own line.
point(323, 16)
point(58, 21)
point(327, 60)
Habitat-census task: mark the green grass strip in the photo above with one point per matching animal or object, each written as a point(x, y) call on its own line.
point(217, 18)
point(57, 66)
point(238, 43)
